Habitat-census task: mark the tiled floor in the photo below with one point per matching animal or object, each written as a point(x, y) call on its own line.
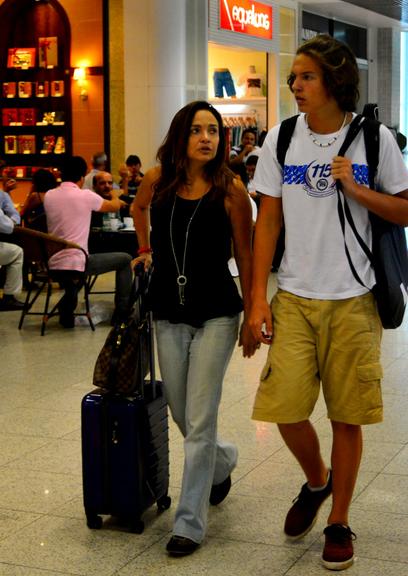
point(42, 525)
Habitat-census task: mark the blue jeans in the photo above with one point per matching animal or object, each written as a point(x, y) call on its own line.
point(223, 80)
point(193, 362)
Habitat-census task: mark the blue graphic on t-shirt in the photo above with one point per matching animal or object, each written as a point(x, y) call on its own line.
point(294, 174)
point(316, 178)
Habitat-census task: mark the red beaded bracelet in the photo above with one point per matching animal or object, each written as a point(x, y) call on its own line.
point(144, 250)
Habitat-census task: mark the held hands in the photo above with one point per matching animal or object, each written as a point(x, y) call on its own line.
point(260, 322)
point(247, 341)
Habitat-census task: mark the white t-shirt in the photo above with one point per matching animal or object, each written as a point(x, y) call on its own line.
point(314, 264)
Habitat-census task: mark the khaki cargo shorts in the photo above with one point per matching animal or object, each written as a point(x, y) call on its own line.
point(333, 342)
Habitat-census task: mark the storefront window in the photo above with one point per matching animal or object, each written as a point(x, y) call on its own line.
point(237, 87)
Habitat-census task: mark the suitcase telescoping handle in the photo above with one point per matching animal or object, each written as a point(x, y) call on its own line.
point(151, 354)
point(142, 280)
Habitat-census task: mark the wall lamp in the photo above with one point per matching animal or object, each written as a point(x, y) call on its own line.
point(80, 77)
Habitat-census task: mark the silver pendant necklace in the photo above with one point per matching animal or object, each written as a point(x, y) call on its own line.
point(181, 276)
point(330, 142)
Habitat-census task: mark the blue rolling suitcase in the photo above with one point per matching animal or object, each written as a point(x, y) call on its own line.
point(125, 450)
point(125, 455)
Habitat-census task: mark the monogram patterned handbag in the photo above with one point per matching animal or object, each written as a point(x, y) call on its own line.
point(125, 358)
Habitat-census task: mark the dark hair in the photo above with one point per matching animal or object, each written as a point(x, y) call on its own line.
point(252, 159)
point(132, 160)
point(73, 169)
point(44, 180)
point(249, 131)
point(339, 66)
point(172, 154)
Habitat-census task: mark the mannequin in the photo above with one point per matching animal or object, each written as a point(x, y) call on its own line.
point(253, 82)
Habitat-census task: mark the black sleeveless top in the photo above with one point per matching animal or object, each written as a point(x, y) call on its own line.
point(210, 290)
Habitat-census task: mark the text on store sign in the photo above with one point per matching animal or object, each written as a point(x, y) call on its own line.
point(252, 18)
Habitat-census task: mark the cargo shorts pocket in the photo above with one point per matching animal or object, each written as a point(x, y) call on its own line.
point(266, 371)
point(369, 378)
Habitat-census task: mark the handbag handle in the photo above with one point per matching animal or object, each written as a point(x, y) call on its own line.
point(140, 287)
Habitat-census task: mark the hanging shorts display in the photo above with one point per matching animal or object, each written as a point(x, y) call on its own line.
point(223, 80)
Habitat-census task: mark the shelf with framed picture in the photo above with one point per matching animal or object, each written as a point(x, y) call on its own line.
point(35, 87)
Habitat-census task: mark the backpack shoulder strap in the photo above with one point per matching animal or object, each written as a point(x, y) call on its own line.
point(286, 130)
point(371, 129)
point(371, 132)
point(353, 129)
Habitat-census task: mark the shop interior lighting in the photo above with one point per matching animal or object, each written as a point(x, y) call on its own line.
point(80, 77)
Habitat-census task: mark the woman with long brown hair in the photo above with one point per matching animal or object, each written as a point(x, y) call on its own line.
point(195, 207)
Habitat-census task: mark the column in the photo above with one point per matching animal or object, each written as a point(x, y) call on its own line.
point(154, 72)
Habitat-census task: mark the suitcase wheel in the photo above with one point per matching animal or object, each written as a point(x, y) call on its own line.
point(136, 526)
point(94, 521)
point(163, 503)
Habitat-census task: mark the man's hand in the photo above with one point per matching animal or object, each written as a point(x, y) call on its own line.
point(342, 170)
point(124, 172)
point(248, 148)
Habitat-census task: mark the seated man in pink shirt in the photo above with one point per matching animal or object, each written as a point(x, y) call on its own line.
point(69, 209)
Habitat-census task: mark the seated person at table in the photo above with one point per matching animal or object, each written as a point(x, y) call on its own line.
point(32, 212)
point(11, 256)
point(99, 164)
point(69, 209)
point(103, 185)
point(131, 175)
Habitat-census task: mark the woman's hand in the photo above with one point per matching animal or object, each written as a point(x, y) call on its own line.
point(247, 341)
point(145, 259)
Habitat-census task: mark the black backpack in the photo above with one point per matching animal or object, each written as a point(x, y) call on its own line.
point(371, 111)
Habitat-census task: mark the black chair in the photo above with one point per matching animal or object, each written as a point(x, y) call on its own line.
point(38, 248)
point(90, 283)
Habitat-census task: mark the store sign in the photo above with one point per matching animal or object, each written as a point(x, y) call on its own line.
point(246, 17)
